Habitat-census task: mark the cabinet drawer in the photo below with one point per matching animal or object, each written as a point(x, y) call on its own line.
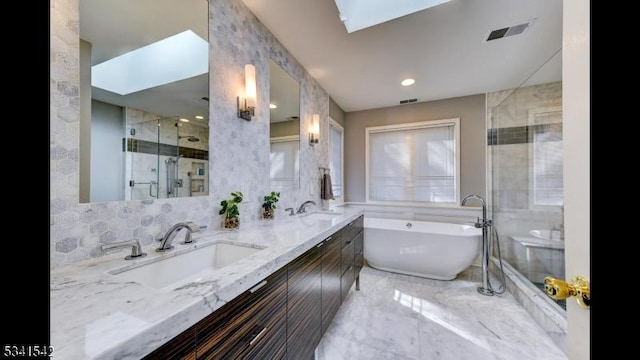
point(347, 280)
point(268, 343)
point(358, 242)
point(352, 229)
point(229, 331)
point(348, 255)
point(359, 263)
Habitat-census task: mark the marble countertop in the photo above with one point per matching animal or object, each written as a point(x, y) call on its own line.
point(96, 315)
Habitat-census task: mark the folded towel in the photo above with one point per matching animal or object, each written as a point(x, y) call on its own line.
point(325, 188)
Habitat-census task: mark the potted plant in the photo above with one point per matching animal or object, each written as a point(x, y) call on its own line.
point(230, 210)
point(269, 205)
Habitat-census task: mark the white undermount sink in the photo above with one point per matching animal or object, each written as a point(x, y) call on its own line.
point(321, 216)
point(183, 267)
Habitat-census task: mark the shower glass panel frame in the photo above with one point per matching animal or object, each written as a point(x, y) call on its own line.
point(526, 197)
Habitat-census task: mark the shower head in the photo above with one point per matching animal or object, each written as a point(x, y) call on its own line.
point(190, 138)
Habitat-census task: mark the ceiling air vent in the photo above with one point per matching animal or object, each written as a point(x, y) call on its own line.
point(509, 31)
point(408, 101)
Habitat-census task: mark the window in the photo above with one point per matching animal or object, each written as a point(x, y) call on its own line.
point(336, 159)
point(414, 162)
point(546, 147)
point(284, 162)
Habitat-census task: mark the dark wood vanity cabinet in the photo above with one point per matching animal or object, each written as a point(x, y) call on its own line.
point(352, 250)
point(283, 316)
point(251, 326)
point(331, 277)
point(304, 304)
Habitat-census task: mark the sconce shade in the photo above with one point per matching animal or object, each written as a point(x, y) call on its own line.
point(250, 85)
point(314, 131)
point(247, 106)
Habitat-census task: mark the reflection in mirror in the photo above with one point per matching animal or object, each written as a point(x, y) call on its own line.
point(284, 95)
point(144, 76)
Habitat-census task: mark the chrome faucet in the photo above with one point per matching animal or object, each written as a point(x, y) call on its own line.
point(485, 289)
point(303, 208)
point(136, 249)
point(290, 210)
point(479, 224)
point(171, 234)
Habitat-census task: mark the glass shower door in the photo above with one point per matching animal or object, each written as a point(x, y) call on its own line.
point(142, 167)
point(525, 145)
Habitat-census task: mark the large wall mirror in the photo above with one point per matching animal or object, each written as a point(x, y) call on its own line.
point(144, 80)
point(284, 105)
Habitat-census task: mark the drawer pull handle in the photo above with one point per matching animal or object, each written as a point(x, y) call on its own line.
point(347, 243)
point(257, 336)
point(328, 239)
point(255, 288)
point(350, 268)
point(319, 245)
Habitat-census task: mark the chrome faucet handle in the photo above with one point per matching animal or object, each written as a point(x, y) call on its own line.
point(290, 210)
point(191, 227)
point(187, 239)
point(136, 248)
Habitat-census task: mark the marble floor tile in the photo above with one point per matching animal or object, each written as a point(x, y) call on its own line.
point(396, 316)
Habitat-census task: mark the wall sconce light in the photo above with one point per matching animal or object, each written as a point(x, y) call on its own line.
point(247, 110)
point(314, 132)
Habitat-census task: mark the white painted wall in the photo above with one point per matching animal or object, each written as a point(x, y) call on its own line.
point(85, 120)
point(107, 165)
point(576, 98)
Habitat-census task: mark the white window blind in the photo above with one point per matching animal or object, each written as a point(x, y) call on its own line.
point(284, 164)
point(548, 185)
point(335, 159)
point(413, 163)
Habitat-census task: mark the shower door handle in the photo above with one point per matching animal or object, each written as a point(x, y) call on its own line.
point(151, 189)
point(559, 290)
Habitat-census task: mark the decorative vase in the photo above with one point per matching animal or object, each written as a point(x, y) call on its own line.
point(267, 213)
point(231, 223)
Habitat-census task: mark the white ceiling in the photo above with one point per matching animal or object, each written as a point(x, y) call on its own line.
point(359, 14)
point(115, 27)
point(442, 47)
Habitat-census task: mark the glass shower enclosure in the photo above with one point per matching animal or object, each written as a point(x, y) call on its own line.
point(525, 160)
point(166, 158)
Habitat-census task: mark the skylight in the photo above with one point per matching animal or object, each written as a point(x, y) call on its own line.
point(360, 14)
point(177, 57)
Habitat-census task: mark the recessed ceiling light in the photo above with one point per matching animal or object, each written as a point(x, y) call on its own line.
point(273, 106)
point(407, 82)
point(184, 120)
point(199, 117)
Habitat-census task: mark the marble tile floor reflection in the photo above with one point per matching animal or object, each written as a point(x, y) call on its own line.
point(396, 316)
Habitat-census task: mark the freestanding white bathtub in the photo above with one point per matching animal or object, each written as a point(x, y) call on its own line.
point(420, 248)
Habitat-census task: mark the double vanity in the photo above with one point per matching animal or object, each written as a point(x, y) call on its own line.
point(265, 291)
